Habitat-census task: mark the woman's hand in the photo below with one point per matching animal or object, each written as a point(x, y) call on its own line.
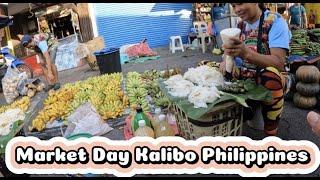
point(222, 68)
point(236, 48)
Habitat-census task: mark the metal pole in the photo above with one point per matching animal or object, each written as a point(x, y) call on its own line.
point(230, 18)
point(300, 15)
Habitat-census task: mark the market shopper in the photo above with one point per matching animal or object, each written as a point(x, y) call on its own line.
point(260, 54)
point(46, 47)
point(297, 15)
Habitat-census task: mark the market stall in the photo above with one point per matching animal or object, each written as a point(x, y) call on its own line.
point(303, 62)
point(112, 102)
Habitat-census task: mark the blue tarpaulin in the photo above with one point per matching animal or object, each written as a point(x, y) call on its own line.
point(296, 58)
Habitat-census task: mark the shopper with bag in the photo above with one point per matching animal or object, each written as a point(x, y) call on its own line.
point(46, 48)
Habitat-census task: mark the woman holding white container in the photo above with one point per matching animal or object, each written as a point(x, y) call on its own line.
point(259, 53)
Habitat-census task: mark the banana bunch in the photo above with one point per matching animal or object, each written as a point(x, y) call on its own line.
point(151, 80)
point(55, 106)
point(112, 109)
point(136, 91)
point(133, 75)
point(150, 75)
point(103, 92)
point(22, 104)
point(161, 100)
point(96, 99)
point(81, 97)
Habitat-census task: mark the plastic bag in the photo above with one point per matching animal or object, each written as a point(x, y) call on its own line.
point(8, 118)
point(85, 119)
point(22, 85)
point(81, 51)
point(10, 83)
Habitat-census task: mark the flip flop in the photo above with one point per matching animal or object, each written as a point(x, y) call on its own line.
point(56, 86)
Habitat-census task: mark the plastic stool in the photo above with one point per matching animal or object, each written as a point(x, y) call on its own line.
point(173, 46)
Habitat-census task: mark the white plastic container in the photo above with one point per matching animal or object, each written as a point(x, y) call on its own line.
point(226, 34)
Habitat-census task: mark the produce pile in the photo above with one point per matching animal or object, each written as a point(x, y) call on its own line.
point(198, 84)
point(32, 89)
point(9, 84)
point(302, 45)
point(136, 91)
point(150, 78)
point(236, 87)
point(22, 104)
point(8, 118)
point(140, 86)
point(12, 113)
point(307, 87)
point(316, 32)
point(170, 72)
point(55, 107)
point(103, 92)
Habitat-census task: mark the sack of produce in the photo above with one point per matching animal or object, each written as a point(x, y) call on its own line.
point(10, 83)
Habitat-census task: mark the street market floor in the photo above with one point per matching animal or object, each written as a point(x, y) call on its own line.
point(292, 126)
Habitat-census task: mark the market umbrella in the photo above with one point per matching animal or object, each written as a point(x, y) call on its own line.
point(5, 21)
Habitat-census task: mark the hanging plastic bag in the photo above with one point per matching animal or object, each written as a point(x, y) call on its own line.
point(10, 83)
point(85, 119)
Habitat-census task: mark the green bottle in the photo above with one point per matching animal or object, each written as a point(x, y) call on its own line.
point(139, 116)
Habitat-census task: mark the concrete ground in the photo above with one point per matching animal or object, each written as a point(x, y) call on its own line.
point(292, 126)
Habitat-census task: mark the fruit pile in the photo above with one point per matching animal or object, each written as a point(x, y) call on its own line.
point(302, 45)
point(298, 42)
point(307, 87)
point(316, 32)
point(32, 89)
point(55, 107)
point(209, 63)
point(136, 91)
point(22, 104)
point(170, 72)
point(234, 88)
point(103, 92)
point(150, 78)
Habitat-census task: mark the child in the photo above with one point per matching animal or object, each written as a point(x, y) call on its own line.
point(312, 20)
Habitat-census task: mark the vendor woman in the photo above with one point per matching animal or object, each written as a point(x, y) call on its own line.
point(260, 54)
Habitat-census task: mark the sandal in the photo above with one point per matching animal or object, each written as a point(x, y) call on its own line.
point(56, 86)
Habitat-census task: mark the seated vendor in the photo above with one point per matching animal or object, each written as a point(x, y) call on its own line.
point(261, 50)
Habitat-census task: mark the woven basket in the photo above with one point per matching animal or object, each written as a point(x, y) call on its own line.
point(224, 120)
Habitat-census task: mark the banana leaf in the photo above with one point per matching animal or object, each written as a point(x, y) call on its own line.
point(254, 92)
point(16, 127)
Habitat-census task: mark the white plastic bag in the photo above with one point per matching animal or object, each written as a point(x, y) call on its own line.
point(85, 119)
point(81, 51)
point(10, 83)
point(8, 118)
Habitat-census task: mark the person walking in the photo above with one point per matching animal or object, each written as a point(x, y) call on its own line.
point(298, 16)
